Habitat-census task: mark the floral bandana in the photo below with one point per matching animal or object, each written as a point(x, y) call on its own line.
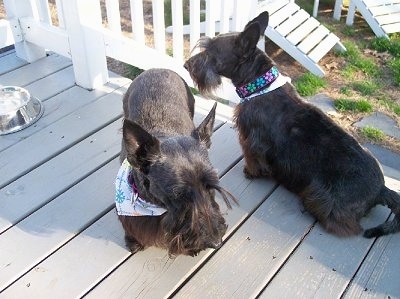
point(127, 200)
point(260, 83)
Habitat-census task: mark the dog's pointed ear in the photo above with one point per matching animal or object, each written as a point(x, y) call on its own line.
point(250, 36)
point(262, 20)
point(204, 131)
point(142, 148)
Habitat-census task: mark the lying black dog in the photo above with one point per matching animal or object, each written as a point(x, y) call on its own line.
point(286, 138)
point(166, 184)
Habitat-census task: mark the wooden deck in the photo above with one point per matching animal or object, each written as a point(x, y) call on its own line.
point(60, 236)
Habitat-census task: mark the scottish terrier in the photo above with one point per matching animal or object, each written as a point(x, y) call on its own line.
point(165, 188)
point(290, 140)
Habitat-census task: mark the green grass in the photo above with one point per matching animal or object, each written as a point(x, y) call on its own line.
point(348, 31)
point(353, 105)
point(366, 87)
point(132, 71)
point(357, 61)
point(394, 65)
point(382, 44)
point(346, 90)
point(372, 133)
point(309, 84)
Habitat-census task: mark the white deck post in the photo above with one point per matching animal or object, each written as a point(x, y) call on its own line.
point(16, 10)
point(82, 19)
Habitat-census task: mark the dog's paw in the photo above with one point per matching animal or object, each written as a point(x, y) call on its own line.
point(247, 174)
point(133, 245)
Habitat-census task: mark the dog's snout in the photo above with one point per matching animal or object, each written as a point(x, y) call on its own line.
point(186, 65)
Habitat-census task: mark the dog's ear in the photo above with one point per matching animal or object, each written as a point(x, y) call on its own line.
point(249, 37)
point(262, 20)
point(204, 131)
point(142, 148)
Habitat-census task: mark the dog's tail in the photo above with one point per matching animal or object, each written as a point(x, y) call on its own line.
point(391, 199)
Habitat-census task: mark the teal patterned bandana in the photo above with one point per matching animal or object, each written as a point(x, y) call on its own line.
point(127, 200)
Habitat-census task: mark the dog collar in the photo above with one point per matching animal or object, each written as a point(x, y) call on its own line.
point(127, 200)
point(279, 81)
point(258, 84)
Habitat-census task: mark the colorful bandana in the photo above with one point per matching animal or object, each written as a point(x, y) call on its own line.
point(258, 84)
point(127, 200)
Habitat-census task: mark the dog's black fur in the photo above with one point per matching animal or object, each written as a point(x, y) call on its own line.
point(171, 167)
point(286, 138)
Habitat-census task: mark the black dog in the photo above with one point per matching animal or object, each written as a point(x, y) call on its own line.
point(166, 184)
point(286, 138)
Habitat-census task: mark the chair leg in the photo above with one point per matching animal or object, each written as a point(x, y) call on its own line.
point(350, 14)
point(315, 8)
point(337, 11)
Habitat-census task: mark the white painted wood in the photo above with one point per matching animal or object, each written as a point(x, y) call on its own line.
point(255, 252)
point(313, 39)
point(48, 36)
point(159, 25)
point(14, 162)
point(294, 52)
point(55, 224)
point(323, 47)
point(61, 173)
point(113, 16)
point(137, 21)
point(33, 72)
point(6, 36)
point(86, 45)
point(323, 264)
point(337, 11)
point(60, 14)
point(131, 52)
point(177, 33)
point(44, 11)
point(282, 15)
point(194, 24)
point(372, 12)
point(384, 9)
point(16, 10)
point(226, 13)
point(87, 188)
point(169, 274)
point(9, 61)
point(293, 22)
point(64, 100)
point(377, 275)
point(210, 19)
point(302, 31)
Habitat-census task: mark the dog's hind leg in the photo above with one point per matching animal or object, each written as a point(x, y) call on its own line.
point(390, 199)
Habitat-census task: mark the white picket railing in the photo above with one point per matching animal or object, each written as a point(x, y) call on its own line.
point(80, 33)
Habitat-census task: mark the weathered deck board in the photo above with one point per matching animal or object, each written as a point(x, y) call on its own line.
point(60, 236)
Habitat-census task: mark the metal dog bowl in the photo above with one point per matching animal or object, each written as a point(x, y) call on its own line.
point(18, 109)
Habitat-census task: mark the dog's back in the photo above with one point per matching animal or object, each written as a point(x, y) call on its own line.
point(161, 102)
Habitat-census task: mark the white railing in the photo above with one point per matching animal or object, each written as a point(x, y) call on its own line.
point(88, 31)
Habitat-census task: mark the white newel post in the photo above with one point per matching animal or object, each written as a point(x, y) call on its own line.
point(83, 24)
point(16, 10)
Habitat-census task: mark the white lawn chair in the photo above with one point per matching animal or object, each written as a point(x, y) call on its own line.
point(383, 16)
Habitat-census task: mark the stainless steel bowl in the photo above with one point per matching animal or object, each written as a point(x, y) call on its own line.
point(18, 109)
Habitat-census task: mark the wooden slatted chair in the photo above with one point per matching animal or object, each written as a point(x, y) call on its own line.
point(299, 34)
point(293, 30)
point(383, 16)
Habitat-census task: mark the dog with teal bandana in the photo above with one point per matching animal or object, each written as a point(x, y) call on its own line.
point(165, 188)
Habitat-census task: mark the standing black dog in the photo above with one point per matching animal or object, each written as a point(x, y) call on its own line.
point(166, 184)
point(286, 138)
